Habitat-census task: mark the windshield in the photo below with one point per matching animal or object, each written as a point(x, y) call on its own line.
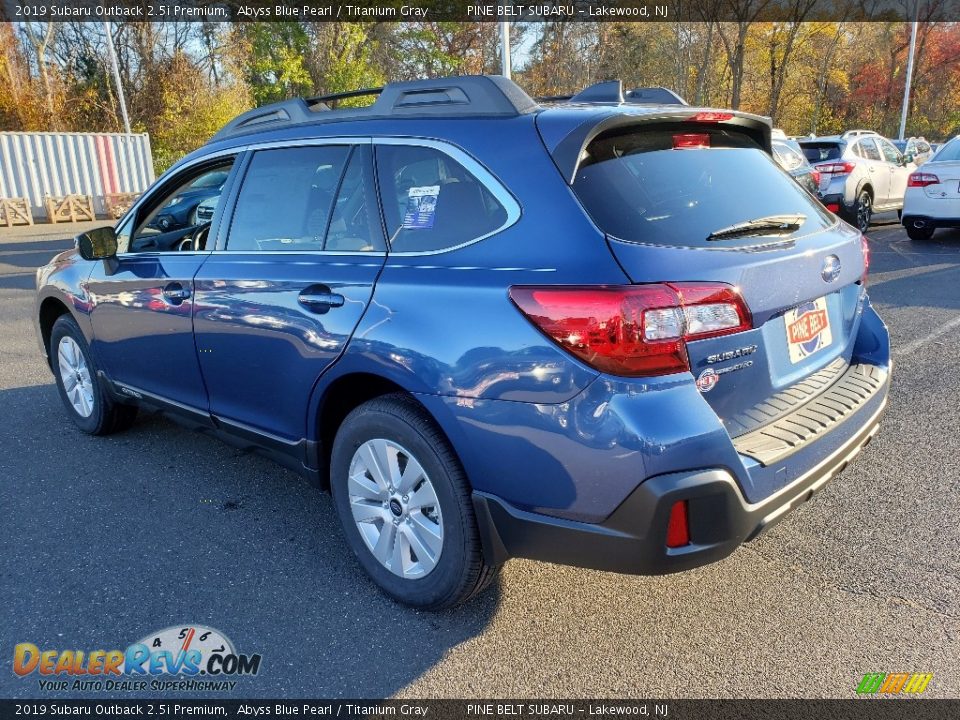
point(677, 184)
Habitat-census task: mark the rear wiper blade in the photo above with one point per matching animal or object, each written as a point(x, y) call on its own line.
point(772, 225)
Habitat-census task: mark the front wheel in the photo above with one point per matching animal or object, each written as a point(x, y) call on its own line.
point(81, 389)
point(404, 504)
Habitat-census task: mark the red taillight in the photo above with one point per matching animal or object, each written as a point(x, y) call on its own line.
point(815, 174)
point(833, 207)
point(922, 179)
point(837, 168)
point(865, 249)
point(678, 529)
point(691, 140)
point(708, 116)
point(633, 330)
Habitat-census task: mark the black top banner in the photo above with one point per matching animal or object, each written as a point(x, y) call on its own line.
point(480, 11)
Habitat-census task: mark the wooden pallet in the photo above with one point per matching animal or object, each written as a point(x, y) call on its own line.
point(15, 211)
point(70, 208)
point(118, 203)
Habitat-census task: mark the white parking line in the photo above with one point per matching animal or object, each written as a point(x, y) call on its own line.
point(920, 342)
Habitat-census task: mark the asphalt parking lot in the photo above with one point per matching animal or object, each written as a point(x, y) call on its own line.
point(107, 539)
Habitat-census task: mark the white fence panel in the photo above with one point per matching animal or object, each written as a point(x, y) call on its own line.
point(34, 165)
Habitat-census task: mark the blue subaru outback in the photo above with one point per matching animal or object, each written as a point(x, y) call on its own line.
point(606, 331)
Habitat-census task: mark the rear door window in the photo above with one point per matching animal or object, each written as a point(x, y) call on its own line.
point(669, 184)
point(431, 202)
point(869, 149)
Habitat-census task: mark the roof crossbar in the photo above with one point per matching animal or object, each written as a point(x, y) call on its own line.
point(611, 91)
point(337, 97)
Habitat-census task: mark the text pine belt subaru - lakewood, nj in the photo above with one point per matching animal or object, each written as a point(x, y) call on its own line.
point(492, 327)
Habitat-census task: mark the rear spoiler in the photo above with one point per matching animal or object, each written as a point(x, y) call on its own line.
point(569, 151)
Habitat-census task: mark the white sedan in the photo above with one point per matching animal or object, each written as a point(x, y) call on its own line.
point(932, 199)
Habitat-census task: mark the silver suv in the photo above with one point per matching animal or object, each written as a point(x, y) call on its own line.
point(860, 173)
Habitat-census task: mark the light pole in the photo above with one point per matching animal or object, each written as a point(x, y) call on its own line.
point(116, 76)
point(505, 48)
point(906, 89)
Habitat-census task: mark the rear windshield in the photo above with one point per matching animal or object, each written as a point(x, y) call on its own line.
point(639, 188)
point(818, 152)
point(949, 152)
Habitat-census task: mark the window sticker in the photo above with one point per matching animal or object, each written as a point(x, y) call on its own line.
point(421, 207)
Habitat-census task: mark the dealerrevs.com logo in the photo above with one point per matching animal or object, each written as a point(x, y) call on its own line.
point(182, 657)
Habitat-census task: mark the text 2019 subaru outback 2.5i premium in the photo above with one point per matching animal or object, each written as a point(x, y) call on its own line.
point(494, 329)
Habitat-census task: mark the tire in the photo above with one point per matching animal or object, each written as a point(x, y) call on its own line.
point(919, 234)
point(86, 402)
point(863, 211)
point(417, 569)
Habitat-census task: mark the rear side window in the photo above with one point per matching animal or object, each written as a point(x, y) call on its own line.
point(311, 198)
point(431, 202)
point(819, 152)
point(788, 157)
point(670, 184)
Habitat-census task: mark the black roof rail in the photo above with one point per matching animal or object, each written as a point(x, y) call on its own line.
point(463, 96)
point(611, 91)
point(654, 96)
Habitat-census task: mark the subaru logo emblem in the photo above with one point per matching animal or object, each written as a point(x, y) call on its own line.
point(831, 268)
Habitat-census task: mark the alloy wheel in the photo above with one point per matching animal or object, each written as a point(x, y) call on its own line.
point(75, 375)
point(864, 211)
point(395, 508)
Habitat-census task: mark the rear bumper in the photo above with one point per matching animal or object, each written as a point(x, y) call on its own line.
point(632, 539)
point(931, 221)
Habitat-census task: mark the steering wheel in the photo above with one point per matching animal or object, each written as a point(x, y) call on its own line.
point(194, 239)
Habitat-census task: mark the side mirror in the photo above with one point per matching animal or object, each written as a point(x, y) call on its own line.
point(97, 244)
point(907, 158)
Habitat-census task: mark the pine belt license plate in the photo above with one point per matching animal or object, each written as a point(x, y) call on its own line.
point(808, 329)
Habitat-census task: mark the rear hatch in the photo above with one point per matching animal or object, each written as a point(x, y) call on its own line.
point(940, 179)
point(825, 156)
point(698, 198)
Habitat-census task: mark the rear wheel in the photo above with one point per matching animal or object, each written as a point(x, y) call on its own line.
point(863, 211)
point(404, 504)
point(81, 389)
point(915, 233)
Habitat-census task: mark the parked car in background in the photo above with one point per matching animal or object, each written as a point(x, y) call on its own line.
point(181, 210)
point(491, 328)
point(933, 194)
point(916, 150)
point(860, 173)
point(793, 161)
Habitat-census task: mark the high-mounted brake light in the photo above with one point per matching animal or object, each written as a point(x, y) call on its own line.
point(633, 330)
point(678, 527)
point(708, 116)
point(922, 179)
point(691, 140)
point(837, 168)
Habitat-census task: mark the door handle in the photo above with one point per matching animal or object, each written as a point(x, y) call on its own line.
point(176, 293)
point(319, 299)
